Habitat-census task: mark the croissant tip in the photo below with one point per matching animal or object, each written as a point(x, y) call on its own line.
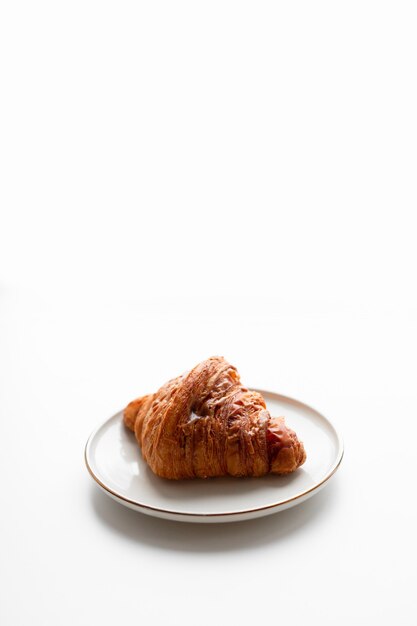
point(130, 413)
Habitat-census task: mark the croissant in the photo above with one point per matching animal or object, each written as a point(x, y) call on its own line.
point(205, 423)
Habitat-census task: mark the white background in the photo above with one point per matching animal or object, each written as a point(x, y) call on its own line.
point(183, 179)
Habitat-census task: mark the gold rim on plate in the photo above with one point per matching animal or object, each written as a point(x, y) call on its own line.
point(140, 505)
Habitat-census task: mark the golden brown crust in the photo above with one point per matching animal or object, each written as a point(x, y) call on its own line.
point(205, 424)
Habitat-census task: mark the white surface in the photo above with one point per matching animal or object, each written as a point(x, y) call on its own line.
point(180, 180)
point(114, 460)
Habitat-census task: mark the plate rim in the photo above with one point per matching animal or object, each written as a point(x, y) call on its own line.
point(188, 514)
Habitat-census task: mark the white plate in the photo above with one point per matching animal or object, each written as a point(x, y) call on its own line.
point(114, 460)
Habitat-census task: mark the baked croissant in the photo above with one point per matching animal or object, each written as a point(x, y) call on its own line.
point(205, 423)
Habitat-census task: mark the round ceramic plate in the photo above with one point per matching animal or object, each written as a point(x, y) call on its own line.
point(114, 460)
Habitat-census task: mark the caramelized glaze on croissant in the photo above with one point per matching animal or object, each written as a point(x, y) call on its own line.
point(205, 423)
